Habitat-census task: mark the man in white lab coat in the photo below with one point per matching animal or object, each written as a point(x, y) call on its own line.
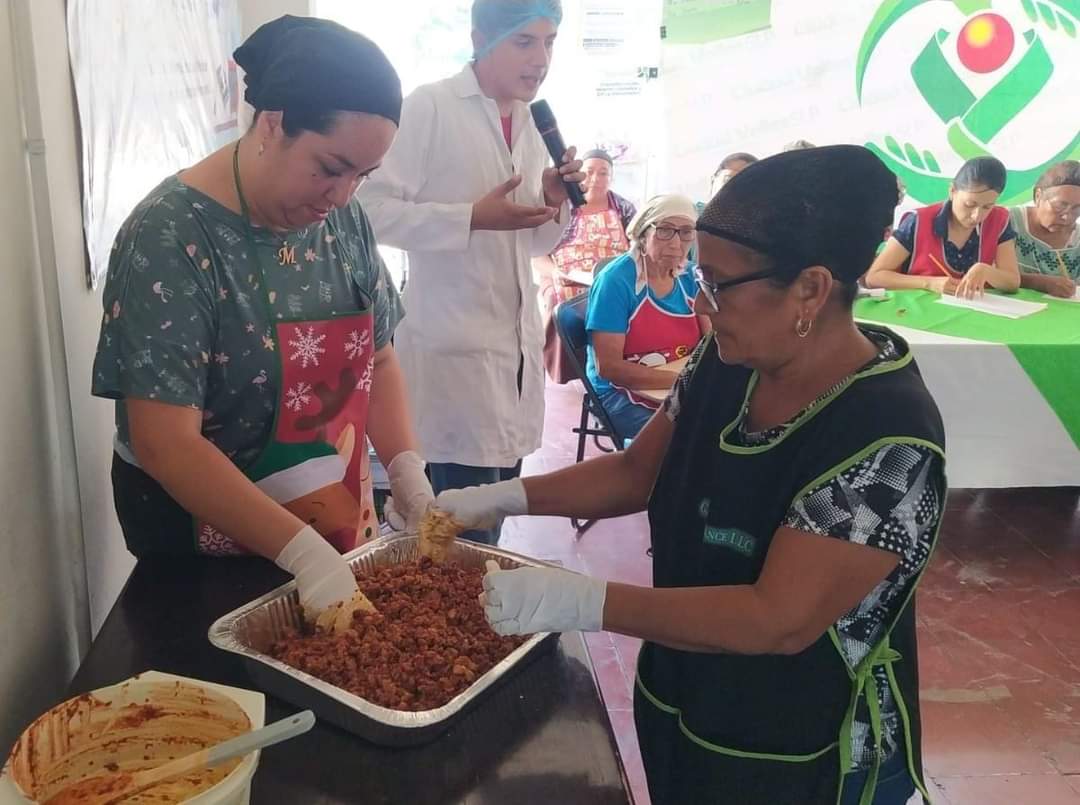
point(466, 190)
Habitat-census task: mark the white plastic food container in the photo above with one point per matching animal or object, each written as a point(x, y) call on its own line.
point(140, 721)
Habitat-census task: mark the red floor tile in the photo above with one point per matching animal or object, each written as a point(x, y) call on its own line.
point(975, 738)
point(1026, 789)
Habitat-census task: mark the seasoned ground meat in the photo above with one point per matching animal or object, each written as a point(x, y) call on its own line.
point(427, 643)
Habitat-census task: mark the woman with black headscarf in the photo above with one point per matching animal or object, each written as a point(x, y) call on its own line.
point(795, 484)
point(247, 327)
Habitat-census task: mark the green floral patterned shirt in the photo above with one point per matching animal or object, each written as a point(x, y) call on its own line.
point(189, 315)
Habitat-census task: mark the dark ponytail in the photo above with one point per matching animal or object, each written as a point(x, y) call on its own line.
point(981, 173)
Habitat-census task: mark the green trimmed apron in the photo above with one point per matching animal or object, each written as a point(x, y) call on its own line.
point(769, 729)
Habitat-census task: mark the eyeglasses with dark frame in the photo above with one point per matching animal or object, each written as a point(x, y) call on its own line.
point(710, 289)
point(668, 232)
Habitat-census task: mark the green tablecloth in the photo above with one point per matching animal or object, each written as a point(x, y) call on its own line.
point(1046, 344)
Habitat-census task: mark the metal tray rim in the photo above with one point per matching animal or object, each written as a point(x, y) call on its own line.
point(221, 635)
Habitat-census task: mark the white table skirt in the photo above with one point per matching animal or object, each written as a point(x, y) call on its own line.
point(999, 430)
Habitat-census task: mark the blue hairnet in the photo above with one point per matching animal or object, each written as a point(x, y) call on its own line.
point(498, 19)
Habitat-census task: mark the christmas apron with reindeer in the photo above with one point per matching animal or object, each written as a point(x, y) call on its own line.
point(316, 464)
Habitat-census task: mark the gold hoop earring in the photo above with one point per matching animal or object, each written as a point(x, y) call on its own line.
point(803, 327)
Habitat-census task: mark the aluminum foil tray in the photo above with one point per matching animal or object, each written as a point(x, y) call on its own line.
point(249, 631)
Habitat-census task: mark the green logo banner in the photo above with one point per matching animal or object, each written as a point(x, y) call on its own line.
point(985, 44)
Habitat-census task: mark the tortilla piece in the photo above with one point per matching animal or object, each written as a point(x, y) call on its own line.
point(339, 617)
point(438, 530)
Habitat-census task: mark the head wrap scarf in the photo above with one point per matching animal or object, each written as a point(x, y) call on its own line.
point(314, 64)
point(655, 210)
point(498, 19)
point(816, 207)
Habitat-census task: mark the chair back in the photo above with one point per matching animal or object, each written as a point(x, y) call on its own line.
point(570, 324)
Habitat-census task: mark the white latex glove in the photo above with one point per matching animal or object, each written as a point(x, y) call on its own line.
point(540, 599)
point(410, 492)
point(484, 506)
point(323, 577)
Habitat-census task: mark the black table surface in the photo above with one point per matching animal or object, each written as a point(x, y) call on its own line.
point(541, 736)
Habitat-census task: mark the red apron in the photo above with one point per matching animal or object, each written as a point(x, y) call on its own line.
point(654, 333)
point(316, 464)
point(927, 242)
point(598, 236)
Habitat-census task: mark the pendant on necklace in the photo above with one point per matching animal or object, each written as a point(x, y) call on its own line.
point(286, 255)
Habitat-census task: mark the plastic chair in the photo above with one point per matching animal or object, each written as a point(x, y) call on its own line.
point(570, 324)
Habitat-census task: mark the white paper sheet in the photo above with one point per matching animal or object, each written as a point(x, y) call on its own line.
point(1003, 306)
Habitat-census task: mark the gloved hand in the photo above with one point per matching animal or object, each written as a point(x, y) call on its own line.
point(540, 599)
point(484, 506)
point(323, 577)
point(410, 492)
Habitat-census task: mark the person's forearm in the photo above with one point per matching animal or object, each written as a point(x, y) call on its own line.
point(1036, 282)
point(389, 424)
point(1003, 279)
point(896, 281)
point(203, 480)
point(606, 486)
point(734, 620)
point(632, 375)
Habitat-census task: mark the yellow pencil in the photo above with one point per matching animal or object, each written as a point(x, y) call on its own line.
point(1061, 266)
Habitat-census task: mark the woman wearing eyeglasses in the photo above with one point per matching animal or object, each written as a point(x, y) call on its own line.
point(795, 482)
point(1047, 237)
point(641, 313)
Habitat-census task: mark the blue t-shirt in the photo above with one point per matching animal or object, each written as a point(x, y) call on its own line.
point(612, 300)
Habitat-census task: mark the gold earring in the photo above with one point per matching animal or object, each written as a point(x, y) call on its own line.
point(803, 327)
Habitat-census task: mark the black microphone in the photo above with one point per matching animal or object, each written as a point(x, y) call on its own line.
point(549, 130)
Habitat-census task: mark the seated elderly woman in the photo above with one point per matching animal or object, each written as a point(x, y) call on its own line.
point(795, 482)
point(596, 233)
point(958, 246)
point(1047, 237)
point(641, 313)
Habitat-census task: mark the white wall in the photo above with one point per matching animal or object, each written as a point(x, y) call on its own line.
point(254, 13)
point(43, 623)
point(107, 561)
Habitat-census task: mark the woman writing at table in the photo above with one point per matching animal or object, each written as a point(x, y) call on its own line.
point(247, 328)
point(641, 313)
point(795, 483)
point(959, 246)
point(1047, 237)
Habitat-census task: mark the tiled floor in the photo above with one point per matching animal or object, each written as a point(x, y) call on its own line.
point(999, 620)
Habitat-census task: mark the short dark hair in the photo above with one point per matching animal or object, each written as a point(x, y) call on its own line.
point(981, 172)
point(1059, 175)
